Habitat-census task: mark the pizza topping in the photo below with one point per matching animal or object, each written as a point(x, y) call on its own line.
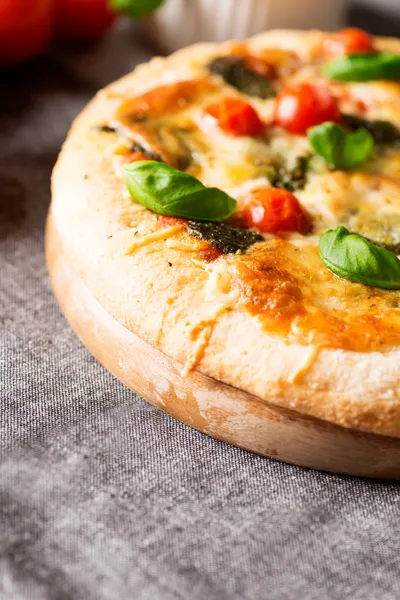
point(383, 230)
point(210, 253)
point(291, 179)
point(165, 142)
point(364, 67)
point(349, 41)
point(352, 257)
point(131, 157)
point(273, 210)
point(165, 99)
point(244, 74)
point(137, 152)
point(383, 132)
point(267, 289)
point(163, 221)
point(105, 129)
point(227, 238)
point(237, 117)
point(167, 191)
point(300, 107)
point(341, 150)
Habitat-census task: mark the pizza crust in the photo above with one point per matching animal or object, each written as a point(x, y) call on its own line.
point(176, 308)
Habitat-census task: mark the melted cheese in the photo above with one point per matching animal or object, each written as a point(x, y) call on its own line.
point(282, 282)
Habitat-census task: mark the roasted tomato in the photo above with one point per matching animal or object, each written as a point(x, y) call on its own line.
point(133, 156)
point(80, 20)
point(349, 41)
point(299, 107)
point(164, 221)
point(272, 210)
point(237, 117)
point(259, 66)
point(25, 29)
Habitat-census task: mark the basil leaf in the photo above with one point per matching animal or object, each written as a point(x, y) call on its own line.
point(234, 71)
point(225, 237)
point(291, 179)
point(383, 132)
point(167, 191)
point(364, 67)
point(352, 257)
point(135, 9)
point(341, 150)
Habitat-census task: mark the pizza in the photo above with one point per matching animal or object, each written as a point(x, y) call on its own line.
point(237, 206)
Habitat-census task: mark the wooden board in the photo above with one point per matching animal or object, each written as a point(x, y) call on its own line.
point(206, 404)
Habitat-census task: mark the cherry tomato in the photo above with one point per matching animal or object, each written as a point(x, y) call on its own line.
point(272, 210)
point(237, 117)
point(80, 20)
point(349, 41)
point(25, 29)
point(299, 107)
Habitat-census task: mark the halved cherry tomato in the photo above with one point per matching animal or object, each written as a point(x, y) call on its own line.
point(349, 41)
point(80, 20)
point(272, 210)
point(25, 28)
point(299, 107)
point(237, 117)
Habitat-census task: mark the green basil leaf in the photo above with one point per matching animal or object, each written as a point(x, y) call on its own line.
point(234, 71)
point(341, 150)
point(225, 237)
point(383, 132)
point(357, 148)
point(352, 257)
point(135, 9)
point(167, 191)
point(364, 67)
point(290, 179)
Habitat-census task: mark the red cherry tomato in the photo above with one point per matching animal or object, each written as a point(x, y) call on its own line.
point(299, 107)
point(80, 20)
point(349, 41)
point(272, 210)
point(25, 29)
point(237, 117)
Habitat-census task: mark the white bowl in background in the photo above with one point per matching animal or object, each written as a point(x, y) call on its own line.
point(179, 23)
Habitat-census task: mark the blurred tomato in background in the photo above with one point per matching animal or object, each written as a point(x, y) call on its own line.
point(80, 20)
point(28, 26)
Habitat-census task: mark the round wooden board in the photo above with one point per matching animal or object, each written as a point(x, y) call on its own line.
point(208, 405)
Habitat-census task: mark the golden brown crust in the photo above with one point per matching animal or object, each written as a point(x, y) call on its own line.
point(280, 338)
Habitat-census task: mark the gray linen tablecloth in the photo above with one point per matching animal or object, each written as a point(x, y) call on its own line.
point(102, 496)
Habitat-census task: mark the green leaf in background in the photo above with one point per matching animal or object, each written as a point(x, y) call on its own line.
point(167, 191)
point(352, 257)
point(364, 67)
point(341, 150)
point(135, 9)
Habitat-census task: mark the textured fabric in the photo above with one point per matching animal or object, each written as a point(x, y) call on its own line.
point(102, 496)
